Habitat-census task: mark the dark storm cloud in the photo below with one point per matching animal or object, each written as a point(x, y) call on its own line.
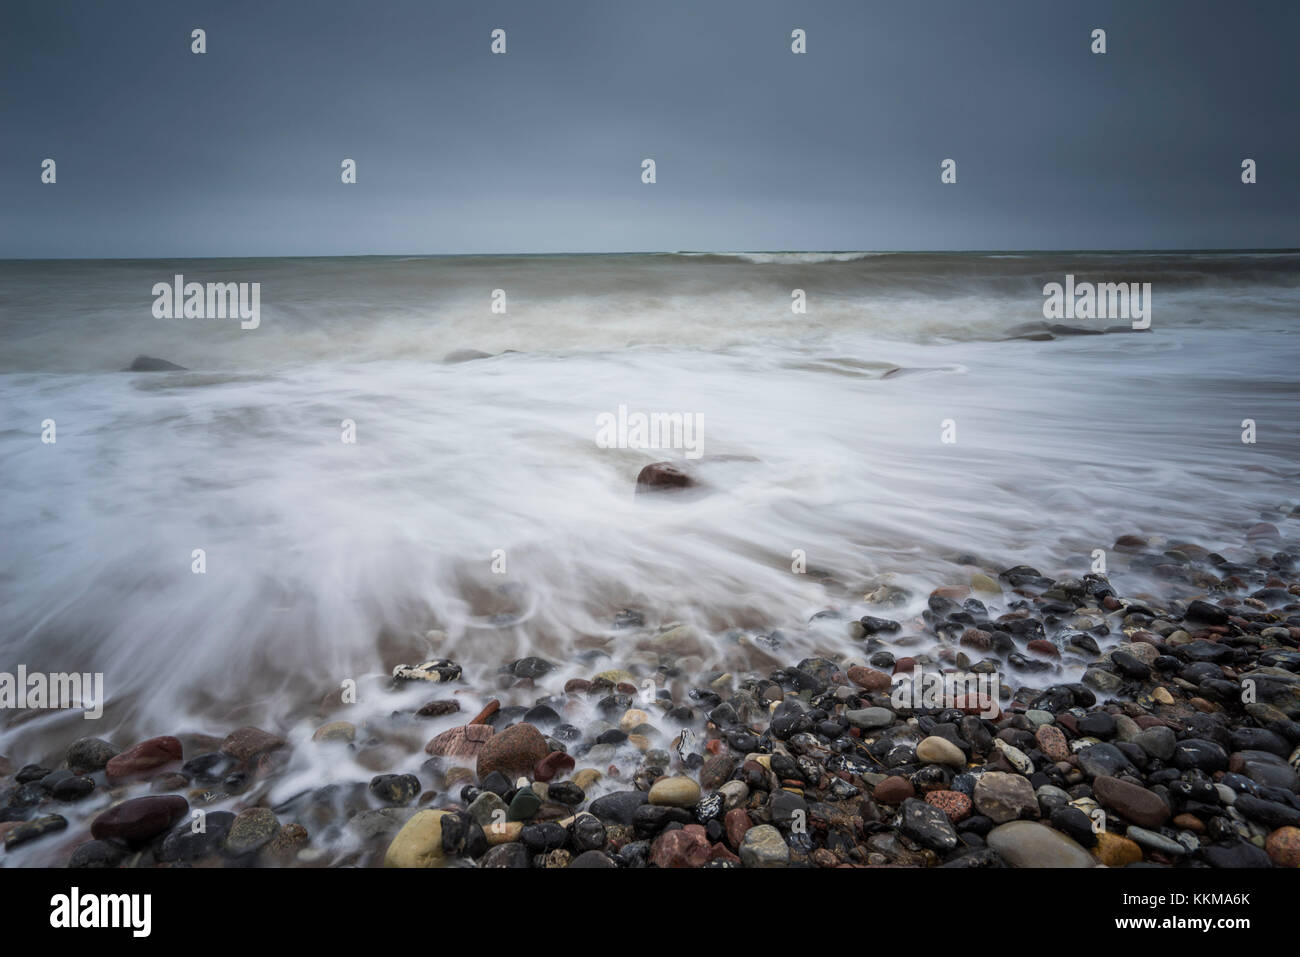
point(236, 152)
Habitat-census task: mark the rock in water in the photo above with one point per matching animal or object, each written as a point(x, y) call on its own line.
point(38, 827)
point(139, 818)
point(465, 355)
point(246, 744)
point(436, 670)
point(515, 751)
point(662, 476)
point(152, 364)
point(150, 755)
point(1030, 844)
point(462, 742)
point(90, 754)
point(251, 830)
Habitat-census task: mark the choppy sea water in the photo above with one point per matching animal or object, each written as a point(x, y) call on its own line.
point(821, 433)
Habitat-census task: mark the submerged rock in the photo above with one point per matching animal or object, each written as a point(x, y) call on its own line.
point(663, 476)
point(152, 364)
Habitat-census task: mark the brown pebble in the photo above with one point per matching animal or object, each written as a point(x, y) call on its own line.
point(895, 789)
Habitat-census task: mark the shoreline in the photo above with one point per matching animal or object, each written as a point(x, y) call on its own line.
point(1178, 747)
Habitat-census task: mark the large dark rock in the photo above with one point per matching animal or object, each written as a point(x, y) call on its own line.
point(139, 819)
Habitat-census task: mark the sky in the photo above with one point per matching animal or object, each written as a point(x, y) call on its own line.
point(237, 152)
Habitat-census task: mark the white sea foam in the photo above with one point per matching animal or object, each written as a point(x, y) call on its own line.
point(327, 561)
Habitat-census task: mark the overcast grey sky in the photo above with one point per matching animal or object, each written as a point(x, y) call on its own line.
point(161, 152)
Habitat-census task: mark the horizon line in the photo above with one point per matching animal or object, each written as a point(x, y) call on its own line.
point(670, 252)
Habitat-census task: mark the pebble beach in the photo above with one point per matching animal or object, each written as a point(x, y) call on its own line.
point(1177, 746)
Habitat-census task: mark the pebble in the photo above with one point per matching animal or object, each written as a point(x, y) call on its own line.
point(144, 757)
point(927, 825)
point(1155, 842)
point(1051, 741)
point(139, 818)
point(954, 804)
point(734, 793)
point(1131, 801)
point(37, 827)
point(463, 742)
point(336, 731)
point(620, 807)
point(1003, 797)
point(763, 846)
point(524, 805)
point(868, 719)
point(1283, 847)
point(246, 743)
point(514, 751)
point(395, 789)
point(419, 842)
point(1115, 850)
point(675, 792)
point(937, 750)
point(251, 830)
point(684, 847)
point(1158, 741)
point(89, 754)
point(893, 790)
point(1031, 844)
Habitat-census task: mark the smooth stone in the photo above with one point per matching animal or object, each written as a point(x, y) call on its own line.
point(675, 792)
point(524, 805)
point(1114, 850)
point(619, 807)
point(937, 750)
point(1031, 844)
point(144, 757)
point(514, 751)
point(139, 818)
point(1155, 842)
point(419, 842)
point(868, 719)
point(1158, 741)
point(1134, 803)
point(1103, 759)
point(245, 744)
